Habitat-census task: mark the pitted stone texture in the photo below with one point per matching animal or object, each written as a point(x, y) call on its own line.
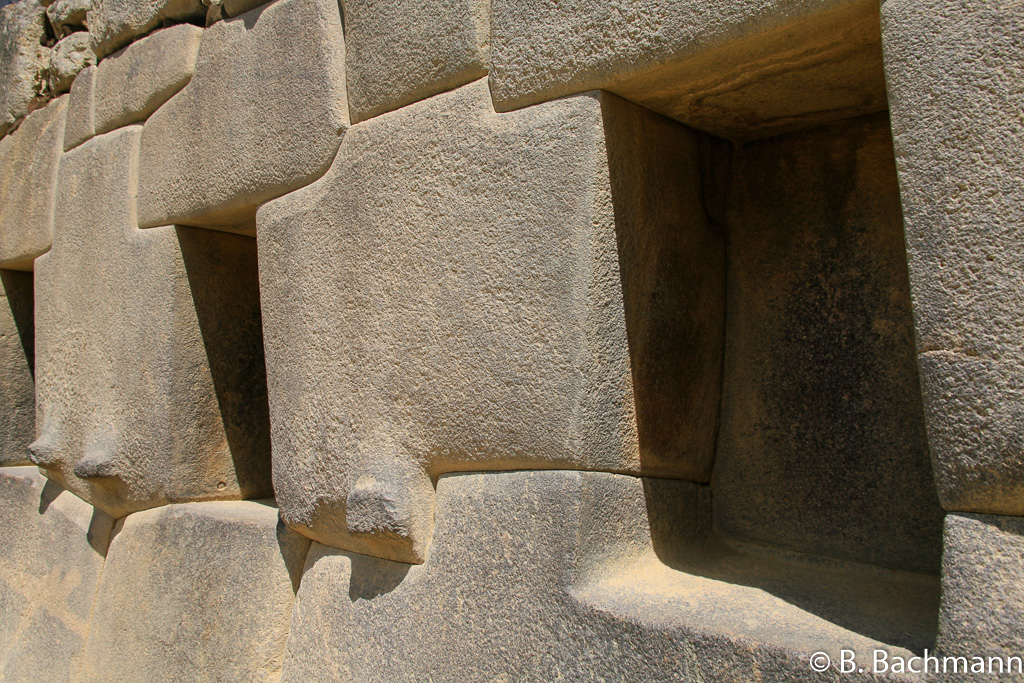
point(540, 576)
point(67, 59)
point(821, 392)
point(735, 68)
point(202, 590)
point(449, 297)
point(24, 60)
point(50, 563)
point(954, 71)
point(143, 396)
point(115, 23)
point(29, 158)
point(17, 360)
point(399, 53)
point(80, 124)
point(982, 591)
point(131, 84)
point(68, 16)
point(232, 8)
point(272, 135)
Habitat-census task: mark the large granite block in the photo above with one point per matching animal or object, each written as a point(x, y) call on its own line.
point(397, 53)
point(196, 591)
point(954, 71)
point(735, 68)
point(540, 576)
point(24, 60)
point(115, 23)
point(17, 365)
point(133, 83)
point(467, 290)
point(67, 59)
point(51, 559)
point(80, 125)
point(29, 158)
point(148, 348)
point(236, 137)
point(982, 597)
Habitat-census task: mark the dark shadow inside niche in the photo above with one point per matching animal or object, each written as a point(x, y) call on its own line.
point(224, 281)
point(17, 367)
point(20, 292)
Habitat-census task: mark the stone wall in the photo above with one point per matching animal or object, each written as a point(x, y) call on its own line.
point(511, 340)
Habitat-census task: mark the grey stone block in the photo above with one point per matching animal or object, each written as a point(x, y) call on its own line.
point(80, 124)
point(270, 136)
point(398, 53)
point(982, 597)
point(51, 559)
point(954, 74)
point(559, 575)
point(149, 354)
point(472, 291)
point(115, 23)
point(29, 159)
point(133, 83)
point(734, 68)
point(24, 60)
point(199, 590)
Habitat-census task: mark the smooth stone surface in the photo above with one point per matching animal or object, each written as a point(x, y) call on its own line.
point(51, 559)
point(397, 53)
point(24, 60)
point(29, 159)
point(115, 23)
point(272, 135)
point(449, 297)
point(822, 446)
point(68, 16)
point(80, 124)
point(133, 83)
point(954, 71)
point(558, 575)
point(202, 590)
point(983, 593)
point(17, 361)
point(149, 362)
point(734, 68)
point(67, 59)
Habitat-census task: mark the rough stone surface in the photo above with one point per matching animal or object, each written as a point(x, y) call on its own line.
point(276, 134)
point(149, 357)
point(80, 125)
point(983, 592)
point(51, 558)
point(464, 309)
point(954, 71)
point(203, 590)
point(398, 53)
point(29, 158)
point(115, 23)
point(24, 60)
point(131, 84)
point(585, 576)
point(735, 68)
point(232, 8)
point(68, 16)
point(17, 361)
point(822, 446)
point(67, 59)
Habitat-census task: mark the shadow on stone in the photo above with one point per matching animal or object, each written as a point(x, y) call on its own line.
point(18, 287)
point(372, 577)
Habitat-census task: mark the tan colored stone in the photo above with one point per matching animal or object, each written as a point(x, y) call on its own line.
point(449, 297)
point(67, 59)
point(954, 72)
point(68, 16)
point(734, 68)
point(203, 590)
point(540, 576)
point(115, 23)
point(51, 559)
point(29, 158)
point(397, 53)
point(149, 355)
point(133, 83)
point(80, 121)
point(234, 138)
point(17, 360)
point(24, 60)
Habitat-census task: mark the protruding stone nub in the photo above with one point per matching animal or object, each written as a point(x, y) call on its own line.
point(373, 509)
